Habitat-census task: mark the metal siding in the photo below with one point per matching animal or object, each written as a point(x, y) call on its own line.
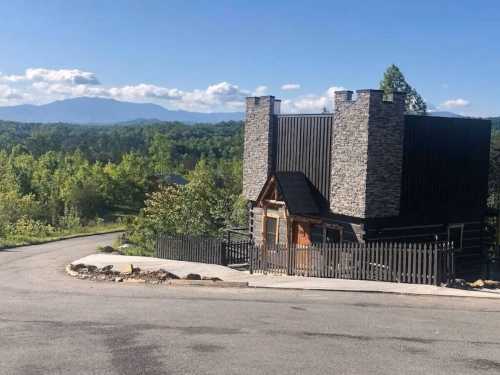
point(303, 144)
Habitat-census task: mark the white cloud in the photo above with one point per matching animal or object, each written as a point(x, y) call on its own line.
point(260, 91)
point(290, 87)
point(311, 103)
point(455, 103)
point(71, 76)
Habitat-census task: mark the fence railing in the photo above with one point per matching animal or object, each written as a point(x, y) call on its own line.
point(396, 262)
point(431, 263)
point(223, 251)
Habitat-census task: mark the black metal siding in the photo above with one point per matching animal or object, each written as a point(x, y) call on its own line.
point(303, 144)
point(445, 169)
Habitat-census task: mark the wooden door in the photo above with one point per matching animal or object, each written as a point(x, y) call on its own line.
point(301, 237)
point(301, 233)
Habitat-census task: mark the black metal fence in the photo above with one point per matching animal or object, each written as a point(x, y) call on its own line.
point(396, 262)
point(229, 250)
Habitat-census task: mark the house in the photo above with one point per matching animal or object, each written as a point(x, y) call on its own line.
point(367, 172)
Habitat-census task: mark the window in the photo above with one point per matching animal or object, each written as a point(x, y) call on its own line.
point(271, 230)
point(333, 235)
point(455, 235)
point(317, 234)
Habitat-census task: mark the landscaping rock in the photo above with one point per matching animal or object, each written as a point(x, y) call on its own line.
point(77, 267)
point(107, 268)
point(126, 269)
point(164, 274)
point(193, 276)
point(91, 268)
point(107, 249)
point(118, 279)
point(477, 284)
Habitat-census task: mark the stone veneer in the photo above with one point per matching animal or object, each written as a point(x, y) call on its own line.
point(367, 154)
point(258, 150)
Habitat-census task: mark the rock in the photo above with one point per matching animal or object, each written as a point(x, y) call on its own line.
point(492, 284)
point(124, 246)
point(136, 270)
point(107, 249)
point(193, 276)
point(107, 268)
point(458, 284)
point(477, 284)
point(167, 275)
point(118, 279)
point(77, 267)
point(91, 268)
point(126, 269)
point(211, 278)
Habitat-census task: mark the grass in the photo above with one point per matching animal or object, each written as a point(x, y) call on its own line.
point(6, 243)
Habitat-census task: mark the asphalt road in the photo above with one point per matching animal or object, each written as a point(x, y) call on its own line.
point(53, 324)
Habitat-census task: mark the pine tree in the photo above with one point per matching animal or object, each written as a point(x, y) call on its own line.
point(394, 80)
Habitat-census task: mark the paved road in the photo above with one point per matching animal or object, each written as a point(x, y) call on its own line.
point(53, 324)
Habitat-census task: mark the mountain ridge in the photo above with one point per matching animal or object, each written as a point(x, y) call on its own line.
point(90, 110)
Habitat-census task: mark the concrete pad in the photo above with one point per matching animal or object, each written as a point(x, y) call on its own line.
point(182, 269)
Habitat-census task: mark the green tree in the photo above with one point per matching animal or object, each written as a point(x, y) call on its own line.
point(394, 80)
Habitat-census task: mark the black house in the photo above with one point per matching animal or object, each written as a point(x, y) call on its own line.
point(367, 172)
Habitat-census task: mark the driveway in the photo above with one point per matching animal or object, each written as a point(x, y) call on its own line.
point(53, 324)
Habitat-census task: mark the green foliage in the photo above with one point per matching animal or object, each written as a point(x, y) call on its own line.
point(209, 202)
point(394, 80)
point(64, 178)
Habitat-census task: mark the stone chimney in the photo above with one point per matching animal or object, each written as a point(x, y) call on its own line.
point(258, 146)
point(367, 154)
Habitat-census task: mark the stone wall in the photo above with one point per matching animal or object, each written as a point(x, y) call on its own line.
point(258, 150)
point(367, 154)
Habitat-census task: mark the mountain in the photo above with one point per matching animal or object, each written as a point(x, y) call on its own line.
point(87, 110)
point(443, 114)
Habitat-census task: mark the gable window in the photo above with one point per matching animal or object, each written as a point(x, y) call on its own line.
point(271, 230)
point(456, 234)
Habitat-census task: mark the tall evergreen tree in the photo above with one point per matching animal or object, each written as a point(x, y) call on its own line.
point(394, 80)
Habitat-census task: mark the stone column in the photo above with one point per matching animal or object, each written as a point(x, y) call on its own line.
point(258, 146)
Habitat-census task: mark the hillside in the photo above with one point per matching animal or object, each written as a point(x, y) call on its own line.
point(87, 110)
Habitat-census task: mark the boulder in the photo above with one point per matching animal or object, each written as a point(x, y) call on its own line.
point(107, 249)
point(107, 268)
point(193, 276)
point(91, 268)
point(118, 279)
point(164, 274)
point(126, 269)
point(477, 284)
point(77, 267)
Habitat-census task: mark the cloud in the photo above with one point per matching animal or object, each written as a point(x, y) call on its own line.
point(312, 103)
point(9, 95)
point(260, 91)
point(290, 87)
point(71, 76)
point(455, 103)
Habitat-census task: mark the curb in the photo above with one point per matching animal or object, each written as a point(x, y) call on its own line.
point(70, 237)
point(376, 292)
point(210, 283)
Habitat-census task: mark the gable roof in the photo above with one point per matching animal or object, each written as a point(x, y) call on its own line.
point(295, 191)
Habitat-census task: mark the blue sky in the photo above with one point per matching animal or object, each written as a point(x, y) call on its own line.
point(208, 55)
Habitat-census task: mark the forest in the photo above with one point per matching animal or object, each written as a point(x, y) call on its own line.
point(61, 179)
